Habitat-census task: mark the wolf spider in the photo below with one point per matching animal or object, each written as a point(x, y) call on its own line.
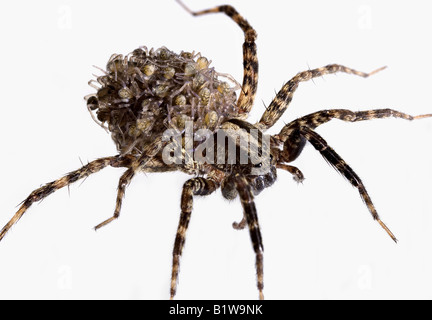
point(143, 94)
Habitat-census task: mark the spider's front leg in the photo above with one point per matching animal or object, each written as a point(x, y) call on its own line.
point(232, 186)
point(294, 141)
point(318, 118)
point(283, 98)
point(247, 200)
point(193, 187)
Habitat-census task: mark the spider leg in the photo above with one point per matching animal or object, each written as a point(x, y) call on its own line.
point(124, 181)
point(294, 141)
point(340, 165)
point(192, 187)
point(283, 98)
point(47, 189)
point(146, 159)
point(250, 58)
point(318, 118)
point(250, 212)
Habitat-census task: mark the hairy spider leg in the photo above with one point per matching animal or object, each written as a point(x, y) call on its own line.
point(192, 187)
point(124, 181)
point(250, 58)
point(47, 189)
point(318, 118)
point(283, 98)
point(294, 141)
point(342, 167)
point(293, 136)
point(247, 201)
point(139, 164)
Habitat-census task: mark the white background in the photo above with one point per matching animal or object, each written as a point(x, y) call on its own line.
point(320, 240)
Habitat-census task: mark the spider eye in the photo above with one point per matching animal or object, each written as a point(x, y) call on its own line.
point(258, 165)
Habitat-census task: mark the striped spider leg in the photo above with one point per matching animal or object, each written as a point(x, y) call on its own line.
point(294, 135)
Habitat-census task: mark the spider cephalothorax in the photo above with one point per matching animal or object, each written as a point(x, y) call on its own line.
point(173, 112)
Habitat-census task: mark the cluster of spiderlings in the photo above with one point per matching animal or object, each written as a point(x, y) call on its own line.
point(142, 94)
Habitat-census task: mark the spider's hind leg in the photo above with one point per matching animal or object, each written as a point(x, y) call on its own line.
point(238, 185)
point(124, 181)
point(134, 166)
point(49, 188)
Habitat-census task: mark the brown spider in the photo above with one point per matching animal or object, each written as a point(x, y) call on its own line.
point(143, 94)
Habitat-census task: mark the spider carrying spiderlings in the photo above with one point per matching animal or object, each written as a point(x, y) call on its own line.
point(143, 94)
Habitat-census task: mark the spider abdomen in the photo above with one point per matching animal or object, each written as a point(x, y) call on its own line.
point(146, 92)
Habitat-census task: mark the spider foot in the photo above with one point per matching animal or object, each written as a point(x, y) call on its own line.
point(104, 223)
point(376, 71)
point(387, 230)
point(124, 181)
point(422, 116)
